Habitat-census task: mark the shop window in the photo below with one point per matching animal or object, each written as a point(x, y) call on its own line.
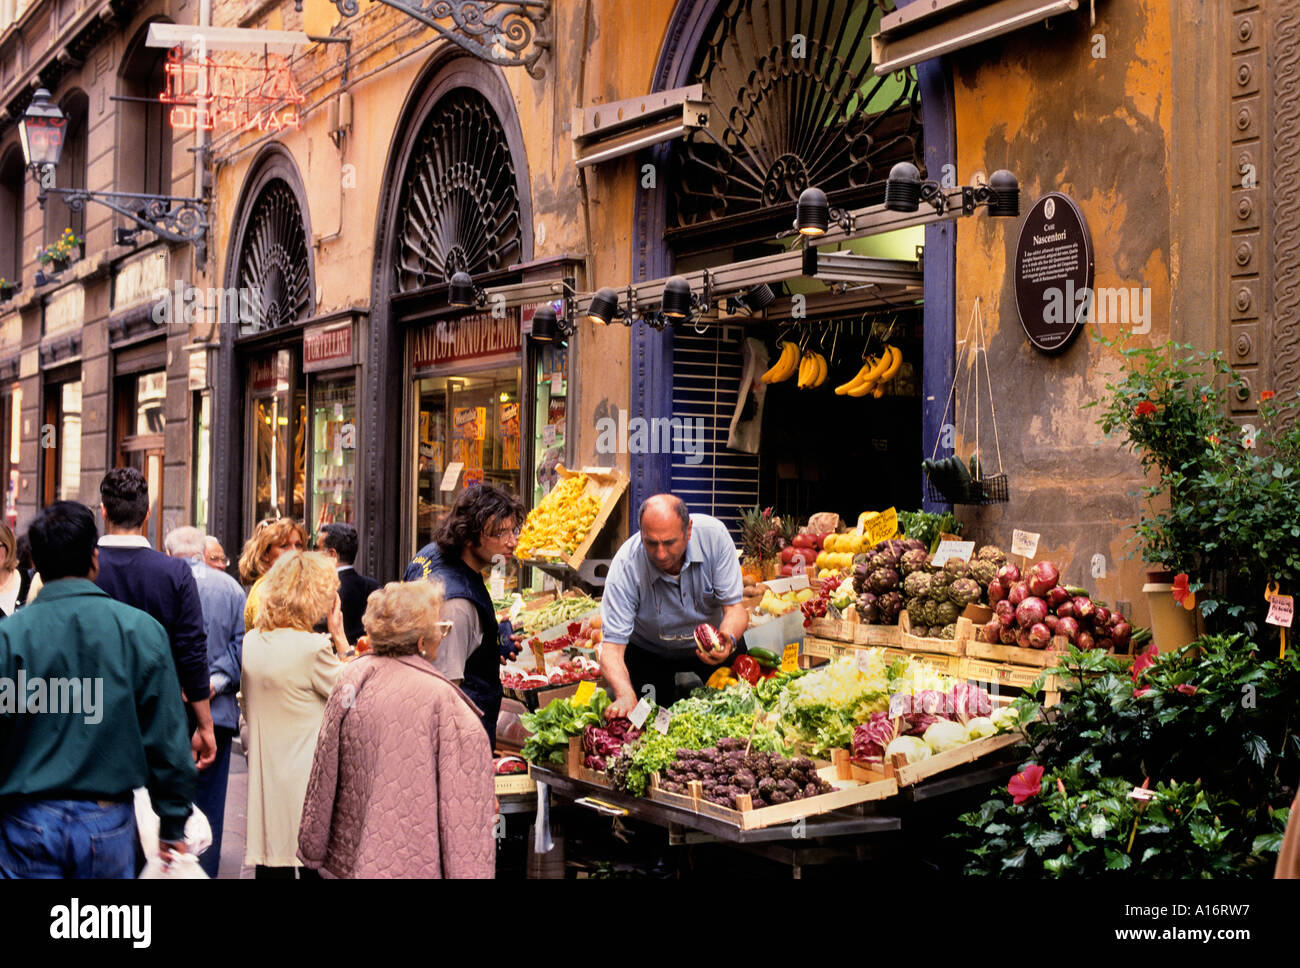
point(470, 420)
point(278, 417)
point(550, 396)
point(201, 421)
point(796, 104)
point(71, 172)
point(334, 451)
point(459, 208)
point(13, 202)
point(144, 143)
point(61, 439)
point(274, 271)
point(11, 405)
point(141, 424)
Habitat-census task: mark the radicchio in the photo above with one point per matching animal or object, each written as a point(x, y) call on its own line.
point(871, 738)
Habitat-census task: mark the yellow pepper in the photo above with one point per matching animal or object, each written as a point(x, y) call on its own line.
point(722, 678)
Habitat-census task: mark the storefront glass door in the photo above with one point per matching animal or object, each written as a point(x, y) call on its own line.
point(278, 414)
point(334, 452)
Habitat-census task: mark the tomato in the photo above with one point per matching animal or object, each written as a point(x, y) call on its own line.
point(745, 667)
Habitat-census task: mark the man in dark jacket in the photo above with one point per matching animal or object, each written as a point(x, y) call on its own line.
point(135, 574)
point(481, 527)
point(339, 541)
point(89, 711)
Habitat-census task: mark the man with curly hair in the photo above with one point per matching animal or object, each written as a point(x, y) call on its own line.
point(481, 527)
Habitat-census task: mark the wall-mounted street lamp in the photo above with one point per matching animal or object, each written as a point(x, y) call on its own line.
point(177, 219)
point(904, 191)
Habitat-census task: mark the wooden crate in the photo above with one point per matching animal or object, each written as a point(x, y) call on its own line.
point(819, 648)
point(830, 628)
point(1006, 674)
point(884, 636)
point(1040, 658)
point(514, 783)
point(914, 643)
point(573, 761)
point(949, 665)
point(605, 483)
point(848, 792)
point(905, 774)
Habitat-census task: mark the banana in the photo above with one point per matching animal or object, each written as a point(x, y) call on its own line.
point(879, 391)
point(896, 360)
point(868, 376)
point(862, 389)
point(858, 377)
point(806, 366)
point(823, 370)
point(785, 366)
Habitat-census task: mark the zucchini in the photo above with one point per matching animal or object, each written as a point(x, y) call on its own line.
point(763, 657)
point(1140, 636)
point(1077, 590)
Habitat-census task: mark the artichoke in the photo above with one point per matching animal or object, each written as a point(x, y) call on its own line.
point(992, 553)
point(948, 632)
point(916, 584)
point(915, 544)
point(946, 613)
point(891, 603)
point(921, 631)
point(956, 568)
point(867, 609)
point(983, 571)
point(938, 590)
point(963, 592)
point(882, 580)
point(912, 561)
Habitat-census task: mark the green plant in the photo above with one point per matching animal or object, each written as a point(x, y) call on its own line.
point(62, 248)
point(1221, 505)
point(760, 534)
point(1211, 725)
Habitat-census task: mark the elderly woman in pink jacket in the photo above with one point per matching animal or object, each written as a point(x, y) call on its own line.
point(401, 784)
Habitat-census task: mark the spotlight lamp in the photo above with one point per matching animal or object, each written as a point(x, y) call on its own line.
point(462, 293)
point(1001, 194)
point(813, 215)
point(603, 308)
point(754, 300)
point(548, 324)
point(904, 190)
point(681, 305)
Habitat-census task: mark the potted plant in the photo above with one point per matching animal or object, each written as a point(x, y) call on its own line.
point(59, 255)
point(7, 289)
point(1221, 498)
point(759, 536)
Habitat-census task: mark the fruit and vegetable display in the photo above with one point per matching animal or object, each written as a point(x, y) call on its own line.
point(555, 613)
point(878, 574)
point(815, 606)
point(811, 366)
point(935, 597)
point(559, 522)
point(600, 744)
point(1029, 609)
point(578, 635)
point(728, 770)
point(925, 526)
point(509, 765)
point(922, 722)
point(774, 603)
point(565, 672)
point(552, 725)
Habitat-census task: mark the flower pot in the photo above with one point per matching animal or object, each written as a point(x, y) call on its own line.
point(1172, 626)
point(60, 265)
point(6, 294)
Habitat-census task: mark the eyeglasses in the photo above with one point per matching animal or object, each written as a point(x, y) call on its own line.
point(505, 533)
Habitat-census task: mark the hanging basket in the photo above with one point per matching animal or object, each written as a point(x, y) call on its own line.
point(971, 486)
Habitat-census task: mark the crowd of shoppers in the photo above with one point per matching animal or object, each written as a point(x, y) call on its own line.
point(176, 662)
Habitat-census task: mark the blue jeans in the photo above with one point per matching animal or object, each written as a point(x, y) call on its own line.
point(68, 838)
point(210, 797)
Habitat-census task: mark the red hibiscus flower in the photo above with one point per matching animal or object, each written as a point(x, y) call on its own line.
point(1144, 408)
point(1213, 440)
point(1139, 693)
point(1186, 688)
point(1027, 784)
point(1266, 395)
point(1144, 660)
point(1182, 594)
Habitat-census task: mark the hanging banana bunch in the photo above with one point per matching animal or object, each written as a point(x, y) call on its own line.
point(787, 363)
point(813, 369)
point(875, 373)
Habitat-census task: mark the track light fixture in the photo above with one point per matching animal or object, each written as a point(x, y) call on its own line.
point(462, 293)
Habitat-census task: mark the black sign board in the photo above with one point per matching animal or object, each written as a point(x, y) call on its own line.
point(1054, 272)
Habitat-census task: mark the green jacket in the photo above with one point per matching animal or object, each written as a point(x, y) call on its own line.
point(111, 718)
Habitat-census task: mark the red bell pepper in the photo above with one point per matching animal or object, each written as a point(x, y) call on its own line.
point(745, 667)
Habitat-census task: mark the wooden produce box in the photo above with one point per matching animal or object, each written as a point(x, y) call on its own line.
point(883, 636)
point(819, 648)
point(949, 665)
point(955, 646)
point(573, 765)
point(849, 791)
point(909, 774)
point(831, 628)
point(1006, 674)
point(1039, 658)
point(535, 699)
point(514, 783)
point(605, 483)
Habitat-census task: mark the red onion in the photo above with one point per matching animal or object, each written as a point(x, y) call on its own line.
point(1039, 636)
point(997, 591)
point(1106, 644)
point(1008, 635)
point(1069, 628)
point(1043, 576)
point(1008, 574)
point(1084, 640)
point(1005, 612)
point(1056, 597)
point(992, 631)
point(1019, 592)
point(1022, 638)
point(1030, 611)
point(1102, 616)
point(1121, 632)
point(1052, 622)
point(1084, 608)
point(1066, 610)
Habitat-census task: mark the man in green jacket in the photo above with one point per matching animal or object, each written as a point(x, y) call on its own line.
point(90, 710)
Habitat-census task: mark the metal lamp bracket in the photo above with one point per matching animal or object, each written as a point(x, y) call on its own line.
point(169, 217)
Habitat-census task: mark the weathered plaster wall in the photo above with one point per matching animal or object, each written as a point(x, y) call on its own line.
point(1098, 129)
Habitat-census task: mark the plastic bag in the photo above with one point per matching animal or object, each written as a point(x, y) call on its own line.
point(198, 838)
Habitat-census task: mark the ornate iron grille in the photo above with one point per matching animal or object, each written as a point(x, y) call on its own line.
point(795, 104)
point(459, 208)
point(274, 275)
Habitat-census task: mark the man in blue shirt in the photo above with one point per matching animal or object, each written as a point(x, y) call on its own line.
point(223, 620)
point(679, 571)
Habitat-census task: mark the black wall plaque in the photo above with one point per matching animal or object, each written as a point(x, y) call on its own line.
point(1053, 272)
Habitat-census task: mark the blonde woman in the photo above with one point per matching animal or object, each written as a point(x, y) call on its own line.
point(15, 581)
point(261, 551)
point(401, 785)
point(288, 673)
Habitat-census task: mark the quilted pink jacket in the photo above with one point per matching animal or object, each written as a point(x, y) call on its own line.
point(401, 785)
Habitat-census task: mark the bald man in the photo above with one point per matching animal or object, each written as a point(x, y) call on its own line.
point(679, 571)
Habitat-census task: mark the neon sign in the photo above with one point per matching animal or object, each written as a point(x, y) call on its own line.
point(205, 94)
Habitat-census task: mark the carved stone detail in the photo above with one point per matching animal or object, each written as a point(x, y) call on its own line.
point(1284, 358)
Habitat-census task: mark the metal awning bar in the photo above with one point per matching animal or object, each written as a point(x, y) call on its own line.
point(608, 131)
point(225, 38)
point(849, 267)
point(632, 141)
point(920, 32)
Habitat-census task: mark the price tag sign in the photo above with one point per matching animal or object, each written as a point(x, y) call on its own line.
point(452, 475)
point(961, 550)
point(557, 382)
point(539, 654)
point(586, 690)
point(882, 527)
point(790, 658)
point(833, 612)
point(662, 720)
point(899, 704)
point(639, 713)
point(548, 434)
point(1141, 793)
point(1281, 610)
point(1024, 543)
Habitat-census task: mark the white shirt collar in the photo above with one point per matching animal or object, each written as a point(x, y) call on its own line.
point(124, 541)
point(342, 567)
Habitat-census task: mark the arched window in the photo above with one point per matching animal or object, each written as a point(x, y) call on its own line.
point(144, 143)
point(273, 275)
point(13, 201)
point(71, 172)
point(459, 207)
